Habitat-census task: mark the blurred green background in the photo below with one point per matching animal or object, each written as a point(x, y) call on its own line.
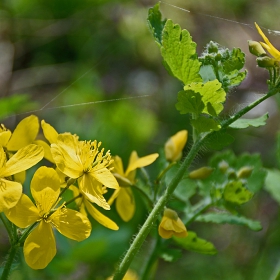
point(56, 53)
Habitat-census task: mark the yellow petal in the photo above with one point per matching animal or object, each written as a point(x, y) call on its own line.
point(270, 48)
point(47, 149)
point(125, 204)
point(24, 214)
point(141, 162)
point(39, 247)
point(22, 160)
point(10, 193)
point(3, 158)
point(175, 144)
point(20, 177)
point(45, 188)
point(92, 190)
point(66, 160)
point(99, 217)
point(24, 134)
point(105, 177)
point(118, 166)
point(49, 132)
point(71, 224)
point(114, 196)
point(4, 137)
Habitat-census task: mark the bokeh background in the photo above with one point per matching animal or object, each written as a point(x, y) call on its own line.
point(57, 53)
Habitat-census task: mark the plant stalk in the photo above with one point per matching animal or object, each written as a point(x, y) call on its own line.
point(158, 208)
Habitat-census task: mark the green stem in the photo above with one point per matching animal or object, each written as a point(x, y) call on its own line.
point(8, 226)
point(9, 262)
point(158, 208)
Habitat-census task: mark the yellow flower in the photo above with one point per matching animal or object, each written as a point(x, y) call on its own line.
point(82, 160)
point(174, 146)
point(24, 134)
point(171, 225)
point(51, 135)
point(125, 203)
point(40, 247)
point(267, 45)
point(130, 275)
point(84, 205)
point(24, 158)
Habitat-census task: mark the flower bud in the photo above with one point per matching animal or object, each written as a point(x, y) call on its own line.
point(223, 166)
point(201, 173)
point(171, 225)
point(256, 48)
point(266, 61)
point(244, 172)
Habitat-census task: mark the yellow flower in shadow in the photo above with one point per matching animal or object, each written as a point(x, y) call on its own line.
point(171, 225)
point(174, 146)
point(125, 203)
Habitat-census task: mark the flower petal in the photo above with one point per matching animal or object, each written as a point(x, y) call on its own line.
point(24, 134)
point(99, 217)
point(4, 137)
point(47, 149)
point(22, 160)
point(270, 48)
point(118, 166)
point(49, 132)
point(141, 162)
point(10, 193)
point(39, 247)
point(105, 177)
point(45, 188)
point(175, 144)
point(71, 224)
point(125, 204)
point(92, 190)
point(66, 160)
point(24, 214)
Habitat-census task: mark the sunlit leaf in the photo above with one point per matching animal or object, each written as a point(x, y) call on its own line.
point(235, 192)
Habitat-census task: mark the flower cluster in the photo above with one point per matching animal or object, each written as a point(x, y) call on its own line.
point(89, 174)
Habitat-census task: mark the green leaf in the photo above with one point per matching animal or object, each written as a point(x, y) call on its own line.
point(272, 183)
point(244, 123)
point(171, 255)
point(179, 53)
point(222, 64)
point(204, 124)
point(185, 189)
point(189, 102)
point(211, 92)
point(226, 218)
point(196, 244)
point(235, 192)
point(155, 23)
point(219, 140)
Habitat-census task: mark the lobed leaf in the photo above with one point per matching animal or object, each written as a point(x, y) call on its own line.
point(244, 123)
point(196, 244)
point(226, 218)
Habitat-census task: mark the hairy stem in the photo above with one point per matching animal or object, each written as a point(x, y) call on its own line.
point(158, 208)
point(9, 262)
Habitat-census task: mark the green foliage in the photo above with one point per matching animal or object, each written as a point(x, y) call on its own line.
point(244, 123)
point(235, 192)
point(226, 218)
point(196, 244)
point(16, 104)
point(222, 64)
point(272, 183)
